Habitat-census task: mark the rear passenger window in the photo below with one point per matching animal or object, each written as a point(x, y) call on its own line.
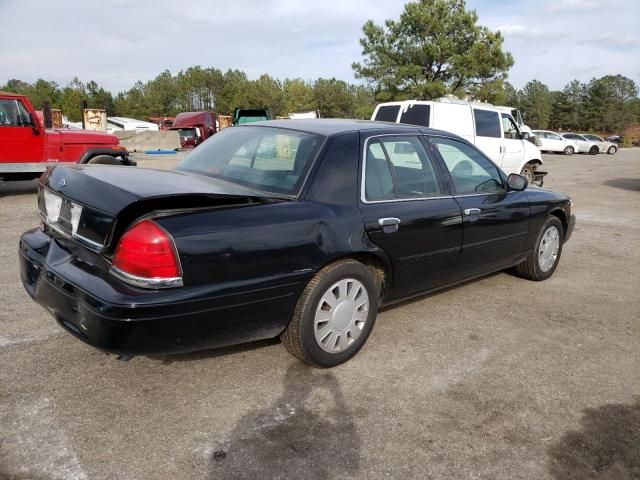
point(487, 123)
point(399, 168)
point(416, 114)
point(471, 172)
point(388, 113)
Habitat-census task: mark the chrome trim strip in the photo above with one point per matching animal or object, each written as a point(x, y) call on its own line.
point(145, 282)
point(90, 244)
point(363, 198)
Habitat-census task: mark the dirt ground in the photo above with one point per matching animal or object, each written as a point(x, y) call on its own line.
point(501, 378)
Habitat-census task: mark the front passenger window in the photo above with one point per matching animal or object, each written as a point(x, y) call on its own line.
point(509, 128)
point(471, 172)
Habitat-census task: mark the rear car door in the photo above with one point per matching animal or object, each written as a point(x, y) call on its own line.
point(409, 213)
point(18, 142)
point(495, 221)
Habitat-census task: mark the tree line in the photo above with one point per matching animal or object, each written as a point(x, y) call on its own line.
point(435, 48)
point(210, 89)
point(608, 104)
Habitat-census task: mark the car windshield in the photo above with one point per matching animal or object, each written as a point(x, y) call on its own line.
point(187, 132)
point(269, 159)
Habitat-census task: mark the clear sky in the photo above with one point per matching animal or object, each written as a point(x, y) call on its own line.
point(117, 42)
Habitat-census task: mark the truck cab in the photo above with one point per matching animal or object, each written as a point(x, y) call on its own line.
point(27, 148)
point(194, 127)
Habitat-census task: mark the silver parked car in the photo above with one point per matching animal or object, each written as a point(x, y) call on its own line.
point(584, 145)
point(603, 145)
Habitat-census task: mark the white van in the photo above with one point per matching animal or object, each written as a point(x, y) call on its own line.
point(487, 127)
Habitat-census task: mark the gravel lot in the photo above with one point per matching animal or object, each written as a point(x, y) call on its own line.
point(501, 378)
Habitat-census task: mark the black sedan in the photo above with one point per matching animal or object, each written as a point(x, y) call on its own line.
point(301, 229)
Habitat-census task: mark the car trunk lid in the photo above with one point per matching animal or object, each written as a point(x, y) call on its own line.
point(113, 197)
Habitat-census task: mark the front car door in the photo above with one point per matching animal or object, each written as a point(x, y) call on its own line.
point(18, 141)
point(409, 213)
point(512, 147)
point(495, 221)
point(558, 144)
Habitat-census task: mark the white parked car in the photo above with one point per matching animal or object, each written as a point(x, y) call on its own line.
point(553, 142)
point(584, 145)
point(487, 127)
point(603, 145)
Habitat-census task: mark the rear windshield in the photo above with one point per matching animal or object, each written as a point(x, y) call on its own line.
point(268, 159)
point(387, 113)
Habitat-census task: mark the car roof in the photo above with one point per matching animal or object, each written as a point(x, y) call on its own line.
point(11, 94)
point(334, 126)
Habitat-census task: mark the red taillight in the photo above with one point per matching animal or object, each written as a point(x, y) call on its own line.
point(146, 251)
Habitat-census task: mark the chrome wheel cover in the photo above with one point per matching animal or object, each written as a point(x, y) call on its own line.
point(341, 315)
point(548, 249)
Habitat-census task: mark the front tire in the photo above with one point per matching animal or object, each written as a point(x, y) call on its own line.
point(594, 150)
point(568, 150)
point(334, 315)
point(612, 150)
point(543, 261)
point(527, 172)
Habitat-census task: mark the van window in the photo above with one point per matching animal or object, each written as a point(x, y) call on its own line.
point(487, 123)
point(471, 172)
point(417, 115)
point(387, 113)
point(509, 127)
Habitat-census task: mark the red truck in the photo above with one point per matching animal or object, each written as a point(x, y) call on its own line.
point(27, 148)
point(194, 127)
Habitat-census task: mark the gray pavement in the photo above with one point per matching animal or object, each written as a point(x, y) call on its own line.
point(501, 378)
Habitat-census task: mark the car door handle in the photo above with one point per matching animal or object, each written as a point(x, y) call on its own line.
point(389, 224)
point(389, 221)
point(472, 211)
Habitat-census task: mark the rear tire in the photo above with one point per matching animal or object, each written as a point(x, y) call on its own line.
point(104, 160)
point(334, 315)
point(542, 262)
point(568, 150)
point(612, 150)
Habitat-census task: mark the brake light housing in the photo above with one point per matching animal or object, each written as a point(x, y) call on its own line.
point(146, 257)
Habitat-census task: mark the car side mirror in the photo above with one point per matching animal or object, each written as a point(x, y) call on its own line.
point(517, 182)
point(525, 135)
point(34, 125)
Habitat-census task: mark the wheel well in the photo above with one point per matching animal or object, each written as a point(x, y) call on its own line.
point(377, 266)
point(535, 162)
point(563, 219)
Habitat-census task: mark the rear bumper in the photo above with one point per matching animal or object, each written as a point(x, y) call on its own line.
point(117, 318)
